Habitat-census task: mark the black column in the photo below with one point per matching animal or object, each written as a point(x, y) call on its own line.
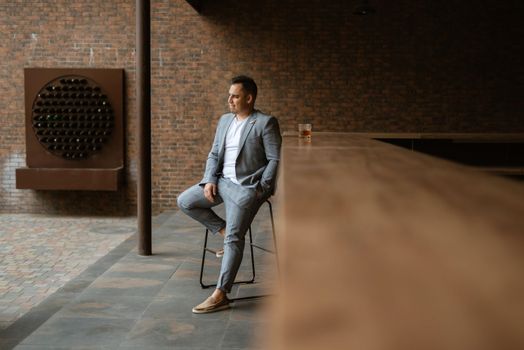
point(143, 107)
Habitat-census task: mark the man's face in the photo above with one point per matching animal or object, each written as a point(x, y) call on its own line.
point(239, 102)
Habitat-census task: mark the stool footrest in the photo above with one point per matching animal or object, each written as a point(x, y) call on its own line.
point(251, 297)
point(211, 250)
point(204, 286)
point(262, 248)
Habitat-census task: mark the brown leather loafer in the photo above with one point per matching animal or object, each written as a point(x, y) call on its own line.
point(211, 305)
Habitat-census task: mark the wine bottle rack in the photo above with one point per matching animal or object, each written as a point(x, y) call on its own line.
point(72, 117)
point(74, 129)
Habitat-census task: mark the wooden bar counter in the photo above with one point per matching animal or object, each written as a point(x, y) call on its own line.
point(383, 248)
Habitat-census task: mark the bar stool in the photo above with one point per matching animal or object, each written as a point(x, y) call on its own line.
point(251, 246)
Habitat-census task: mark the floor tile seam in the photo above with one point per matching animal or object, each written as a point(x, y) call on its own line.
point(153, 298)
point(125, 338)
point(223, 337)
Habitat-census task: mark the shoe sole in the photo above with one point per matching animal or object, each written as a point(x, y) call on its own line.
point(207, 311)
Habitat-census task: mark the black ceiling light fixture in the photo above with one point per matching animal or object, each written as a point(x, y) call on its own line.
point(363, 8)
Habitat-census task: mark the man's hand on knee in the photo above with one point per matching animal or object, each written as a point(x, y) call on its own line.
point(210, 191)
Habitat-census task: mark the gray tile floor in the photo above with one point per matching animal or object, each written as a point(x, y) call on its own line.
point(127, 301)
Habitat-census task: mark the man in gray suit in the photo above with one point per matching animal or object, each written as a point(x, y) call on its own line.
point(240, 172)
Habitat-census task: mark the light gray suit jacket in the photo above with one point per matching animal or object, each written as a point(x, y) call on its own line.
point(258, 155)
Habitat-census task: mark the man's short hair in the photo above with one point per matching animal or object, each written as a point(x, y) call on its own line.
point(248, 84)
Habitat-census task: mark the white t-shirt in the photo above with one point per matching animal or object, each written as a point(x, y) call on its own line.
point(231, 151)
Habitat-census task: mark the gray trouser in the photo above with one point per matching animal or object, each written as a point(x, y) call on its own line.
point(241, 206)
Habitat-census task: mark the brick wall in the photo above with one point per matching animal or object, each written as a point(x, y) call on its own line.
point(415, 66)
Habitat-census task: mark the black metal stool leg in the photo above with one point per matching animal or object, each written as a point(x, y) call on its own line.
point(272, 225)
point(203, 261)
point(206, 249)
point(273, 232)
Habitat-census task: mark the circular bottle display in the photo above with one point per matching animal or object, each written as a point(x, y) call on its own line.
point(62, 121)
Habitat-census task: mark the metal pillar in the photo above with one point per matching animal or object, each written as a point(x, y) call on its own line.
point(143, 107)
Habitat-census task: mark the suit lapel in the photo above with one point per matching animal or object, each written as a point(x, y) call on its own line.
point(222, 145)
point(247, 128)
